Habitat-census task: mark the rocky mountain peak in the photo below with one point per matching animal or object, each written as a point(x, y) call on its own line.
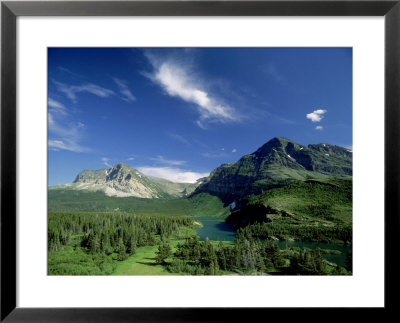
point(122, 180)
point(277, 145)
point(121, 166)
point(280, 159)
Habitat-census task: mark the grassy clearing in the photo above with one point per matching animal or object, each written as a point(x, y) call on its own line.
point(143, 262)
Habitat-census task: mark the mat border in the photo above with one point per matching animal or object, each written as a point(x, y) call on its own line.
point(10, 10)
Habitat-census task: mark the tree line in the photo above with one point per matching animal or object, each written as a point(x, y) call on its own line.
point(93, 242)
point(248, 255)
point(111, 233)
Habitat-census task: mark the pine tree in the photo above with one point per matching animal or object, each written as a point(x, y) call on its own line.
point(121, 251)
point(222, 259)
point(93, 243)
point(131, 249)
point(260, 266)
point(164, 251)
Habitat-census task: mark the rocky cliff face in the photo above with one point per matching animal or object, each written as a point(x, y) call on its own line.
point(278, 160)
point(119, 180)
point(122, 180)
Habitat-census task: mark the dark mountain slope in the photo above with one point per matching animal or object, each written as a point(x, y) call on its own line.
point(277, 161)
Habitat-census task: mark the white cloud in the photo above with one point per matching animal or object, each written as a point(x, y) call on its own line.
point(59, 127)
point(124, 90)
point(105, 161)
point(66, 144)
point(319, 128)
point(234, 150)
point(69, 72)
point(64, 134)
point(162, 160)
point(316, 115)
point(172, 174)
point(55, 104)
point(214, 155)
point(180, 138)
point(131, 158)
point(179, 81)
point(72, 90)
point(56, 107)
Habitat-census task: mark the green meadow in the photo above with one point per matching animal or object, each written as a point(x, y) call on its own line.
point(313, 216)
point(142, 263)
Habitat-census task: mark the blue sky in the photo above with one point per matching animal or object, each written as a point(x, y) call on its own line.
point(178, 113)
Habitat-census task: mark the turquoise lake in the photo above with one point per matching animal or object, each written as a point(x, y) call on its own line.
point(215, 228)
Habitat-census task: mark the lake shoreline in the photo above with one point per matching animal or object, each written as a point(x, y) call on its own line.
point(215, 228)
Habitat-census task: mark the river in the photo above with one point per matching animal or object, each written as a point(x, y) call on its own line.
point(215, 228)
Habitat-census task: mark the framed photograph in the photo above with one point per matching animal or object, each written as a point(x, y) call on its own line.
point(162, 159)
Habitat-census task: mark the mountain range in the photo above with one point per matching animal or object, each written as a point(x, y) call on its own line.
point(279, 160)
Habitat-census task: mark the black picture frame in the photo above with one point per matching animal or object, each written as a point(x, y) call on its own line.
point(10, 10)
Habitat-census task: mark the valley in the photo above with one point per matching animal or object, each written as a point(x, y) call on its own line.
point(284, 209)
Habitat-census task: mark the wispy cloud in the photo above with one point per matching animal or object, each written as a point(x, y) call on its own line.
point(234, 150)
point(172, 174)
point(130, 158)
point(214, 155)
point(162, 160)
point(65, 144)
point(319, 128)
point(69, 72)
point(71, 91)
point(105, 161)
point(56, 107)
point(63, 128)
point(55, 104)
point(316, 115)
point(180, 138)
point(272, 71)
point(64, 134)
point(180, 81)
point(124, 90)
